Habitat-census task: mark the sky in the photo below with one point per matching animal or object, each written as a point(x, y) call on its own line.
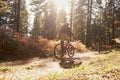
point(30, 14)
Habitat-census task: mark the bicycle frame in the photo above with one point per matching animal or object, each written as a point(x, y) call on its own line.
point(62, 49)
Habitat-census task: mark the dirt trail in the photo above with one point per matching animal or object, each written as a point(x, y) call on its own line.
point(36, 68)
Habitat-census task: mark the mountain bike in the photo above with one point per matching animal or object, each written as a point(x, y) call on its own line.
point(59, 52)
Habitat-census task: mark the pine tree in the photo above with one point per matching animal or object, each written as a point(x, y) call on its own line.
point(36, 26)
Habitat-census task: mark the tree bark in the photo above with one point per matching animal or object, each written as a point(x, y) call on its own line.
point(88, 40)
point(18, 16)
point(71, 16)
point(113, 21)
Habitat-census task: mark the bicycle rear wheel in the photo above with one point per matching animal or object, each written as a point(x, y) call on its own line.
point(71, 51)
point(58, 51)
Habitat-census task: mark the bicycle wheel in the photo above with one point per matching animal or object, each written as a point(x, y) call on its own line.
point(71, 51)
point(58, 51)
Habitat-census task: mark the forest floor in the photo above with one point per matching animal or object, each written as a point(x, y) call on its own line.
point(36, 68)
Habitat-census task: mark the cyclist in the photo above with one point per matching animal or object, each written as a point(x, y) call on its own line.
point(65, 34)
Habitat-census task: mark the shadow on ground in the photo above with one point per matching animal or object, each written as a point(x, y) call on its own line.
point(20, 57)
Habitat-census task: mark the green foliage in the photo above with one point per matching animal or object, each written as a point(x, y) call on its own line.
point(28, 67)
point(7, 14)
point(99, 1)
point(79, 20)
point(3, 6)
point(23, 18)
point(36, 26)
point(28, 79)
point(4, 68)
point(48, 20)
point(50, 77)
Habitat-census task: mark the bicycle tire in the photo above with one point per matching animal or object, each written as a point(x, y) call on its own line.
point(58, 51)
point(71, 50)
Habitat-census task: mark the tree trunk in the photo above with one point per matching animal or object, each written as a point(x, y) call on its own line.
point(113, 20)
point(18, 16)
point(71, 16)
point(88, 41)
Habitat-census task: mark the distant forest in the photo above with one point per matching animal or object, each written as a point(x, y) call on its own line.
point(93, 22)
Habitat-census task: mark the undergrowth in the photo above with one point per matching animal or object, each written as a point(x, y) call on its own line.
point(100, 68)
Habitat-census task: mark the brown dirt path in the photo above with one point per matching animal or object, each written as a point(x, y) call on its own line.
point(36, 68)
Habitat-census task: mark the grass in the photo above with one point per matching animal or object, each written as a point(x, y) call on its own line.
point(5, 68)
point(95, 69)
point(29, 67)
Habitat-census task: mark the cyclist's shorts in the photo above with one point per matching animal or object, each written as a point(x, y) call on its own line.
point(64, 37)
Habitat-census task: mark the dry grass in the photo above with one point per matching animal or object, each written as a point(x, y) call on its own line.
point(99, 68)
point(79, 46)
point(117, 40)
point(26, 46)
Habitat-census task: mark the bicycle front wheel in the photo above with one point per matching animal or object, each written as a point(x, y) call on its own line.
point(71, 51)
point(58, 51)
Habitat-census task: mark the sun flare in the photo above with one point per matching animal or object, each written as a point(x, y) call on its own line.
point(62, 4)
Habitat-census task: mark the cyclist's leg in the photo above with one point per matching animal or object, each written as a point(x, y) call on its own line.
point(68, 40)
